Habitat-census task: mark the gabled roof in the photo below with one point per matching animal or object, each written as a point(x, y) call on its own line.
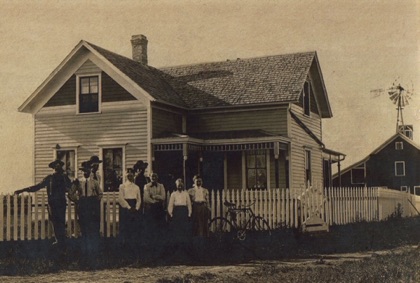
point(271, 79)
point(378, 149)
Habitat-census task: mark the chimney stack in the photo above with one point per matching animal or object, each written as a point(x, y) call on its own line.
point(139, 45)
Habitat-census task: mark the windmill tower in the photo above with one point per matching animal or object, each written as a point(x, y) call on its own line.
point(400, 96)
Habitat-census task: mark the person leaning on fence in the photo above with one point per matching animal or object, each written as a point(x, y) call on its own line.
point(200, 208)
point(154, 212)
point(179, 210)
point(57, 185)
point(87, 194)
point(129, 201)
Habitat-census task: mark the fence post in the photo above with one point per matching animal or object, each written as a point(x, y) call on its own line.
point(2, 217)
point(22, 218)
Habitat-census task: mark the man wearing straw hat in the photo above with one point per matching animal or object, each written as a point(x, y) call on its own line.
point(57, 185)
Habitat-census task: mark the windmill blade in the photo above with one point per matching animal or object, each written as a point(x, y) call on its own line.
point(376, 92)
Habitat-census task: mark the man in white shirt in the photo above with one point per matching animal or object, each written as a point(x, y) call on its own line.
point(154, 213)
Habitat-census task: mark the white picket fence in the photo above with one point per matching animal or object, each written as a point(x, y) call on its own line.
point(25, 217)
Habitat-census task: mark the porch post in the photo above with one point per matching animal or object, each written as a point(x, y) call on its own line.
point(184, 160)
point(276, 163)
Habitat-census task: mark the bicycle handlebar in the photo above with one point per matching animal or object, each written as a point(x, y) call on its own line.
point(232, 205)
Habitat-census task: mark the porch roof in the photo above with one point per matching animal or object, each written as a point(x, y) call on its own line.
point(221, 140)
point(333, 155)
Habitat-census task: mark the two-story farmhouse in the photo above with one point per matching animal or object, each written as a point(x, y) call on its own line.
point(241, 124)
point(394, 164)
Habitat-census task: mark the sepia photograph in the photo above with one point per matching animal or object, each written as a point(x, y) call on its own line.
point(210, 141)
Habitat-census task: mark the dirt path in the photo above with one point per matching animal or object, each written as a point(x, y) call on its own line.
point(205, 273)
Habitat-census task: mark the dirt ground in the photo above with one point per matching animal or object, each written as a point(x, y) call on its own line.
point(256, 271)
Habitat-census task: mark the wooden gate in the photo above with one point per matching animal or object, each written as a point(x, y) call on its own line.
point(312, 210)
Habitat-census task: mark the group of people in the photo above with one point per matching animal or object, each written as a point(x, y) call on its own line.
point(143, 212)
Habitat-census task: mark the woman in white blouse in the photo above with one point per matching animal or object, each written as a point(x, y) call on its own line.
point(130, 201)
point(179, 210)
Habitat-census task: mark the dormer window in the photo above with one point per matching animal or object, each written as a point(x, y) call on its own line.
point(306, 95)
point(89, 94)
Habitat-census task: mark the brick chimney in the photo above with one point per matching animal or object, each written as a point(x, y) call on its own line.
point(139, 45)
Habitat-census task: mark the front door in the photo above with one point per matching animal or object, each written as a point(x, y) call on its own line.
point(213, 170)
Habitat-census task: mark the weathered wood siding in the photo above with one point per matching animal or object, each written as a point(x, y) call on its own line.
point(270, 120)
point(164, 121)
point(123, 123)
point(301, 141)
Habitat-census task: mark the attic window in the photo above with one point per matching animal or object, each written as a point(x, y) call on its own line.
point(399, 146)
point(306, 95)
point(89, 94)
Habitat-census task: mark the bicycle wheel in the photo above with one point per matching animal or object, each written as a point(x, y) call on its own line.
point(220, 227)
point(259, 224)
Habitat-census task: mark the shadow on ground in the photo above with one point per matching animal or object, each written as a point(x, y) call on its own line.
point(35, 257)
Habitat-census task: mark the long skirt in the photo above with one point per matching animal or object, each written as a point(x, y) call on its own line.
point(129, 223)
point(200, 215)
point(180, 225)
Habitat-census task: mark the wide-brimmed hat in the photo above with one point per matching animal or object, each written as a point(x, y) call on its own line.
point(85, 166)
point(140, 165)
point(55, 162)
point(94, 160)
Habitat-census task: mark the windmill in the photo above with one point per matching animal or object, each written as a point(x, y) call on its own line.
point(400, 96)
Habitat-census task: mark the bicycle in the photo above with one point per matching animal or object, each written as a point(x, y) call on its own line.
point(229, 224)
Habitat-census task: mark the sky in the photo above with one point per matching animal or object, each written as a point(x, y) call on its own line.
point(361, 46)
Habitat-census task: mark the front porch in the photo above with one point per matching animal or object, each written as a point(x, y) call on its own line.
point(250, 159)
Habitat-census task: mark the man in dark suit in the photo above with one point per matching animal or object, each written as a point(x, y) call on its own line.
point(57, 185)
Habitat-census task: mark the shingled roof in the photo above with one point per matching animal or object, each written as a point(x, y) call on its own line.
point(240, 82)
point(147, 77)
point(228, 83)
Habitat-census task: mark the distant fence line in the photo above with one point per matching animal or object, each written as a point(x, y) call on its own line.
point(25, 216)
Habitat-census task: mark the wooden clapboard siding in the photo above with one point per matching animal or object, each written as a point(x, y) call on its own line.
point(88, 68)
point(66, 95)
point(165, 121)
point(89, 133)
point(270, 120)
point(301, 140)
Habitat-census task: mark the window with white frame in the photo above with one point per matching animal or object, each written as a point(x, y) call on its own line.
point(256, 168)
point(308, 167)
point(399, 168)
point(307, 98)
point(69, 159)
point(89, 94)
point(399, 146)
point(112, 168)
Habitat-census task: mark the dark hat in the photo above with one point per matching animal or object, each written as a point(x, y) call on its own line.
point(55, 162)
point(94, 159)
point(85, 166)
point(140, 165)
